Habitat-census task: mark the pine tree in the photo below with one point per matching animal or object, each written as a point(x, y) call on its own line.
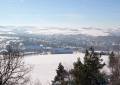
point(62, 76)
point(89, 73)
point(92, 63)
point(78, 72)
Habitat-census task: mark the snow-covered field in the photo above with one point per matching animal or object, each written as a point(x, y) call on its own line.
point(44, 66)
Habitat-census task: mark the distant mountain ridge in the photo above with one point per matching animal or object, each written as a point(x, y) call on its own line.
point(90, 31)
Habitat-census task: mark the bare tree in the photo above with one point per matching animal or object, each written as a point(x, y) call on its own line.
point(13, 71)
point(115, 69)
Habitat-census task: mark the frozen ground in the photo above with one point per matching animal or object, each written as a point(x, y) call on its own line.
point(44, 66)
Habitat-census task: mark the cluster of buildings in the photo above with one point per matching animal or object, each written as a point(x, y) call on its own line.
point(45, 50)
point(35, 48)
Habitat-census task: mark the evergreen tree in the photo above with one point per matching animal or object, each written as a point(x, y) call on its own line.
point(92, 64)
point(78, 72)
point(62, 76)
point(89, 72)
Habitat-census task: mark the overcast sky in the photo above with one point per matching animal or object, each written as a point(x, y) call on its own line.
point(66, 13)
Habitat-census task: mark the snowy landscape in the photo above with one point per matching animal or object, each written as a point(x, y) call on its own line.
point(60, 42)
